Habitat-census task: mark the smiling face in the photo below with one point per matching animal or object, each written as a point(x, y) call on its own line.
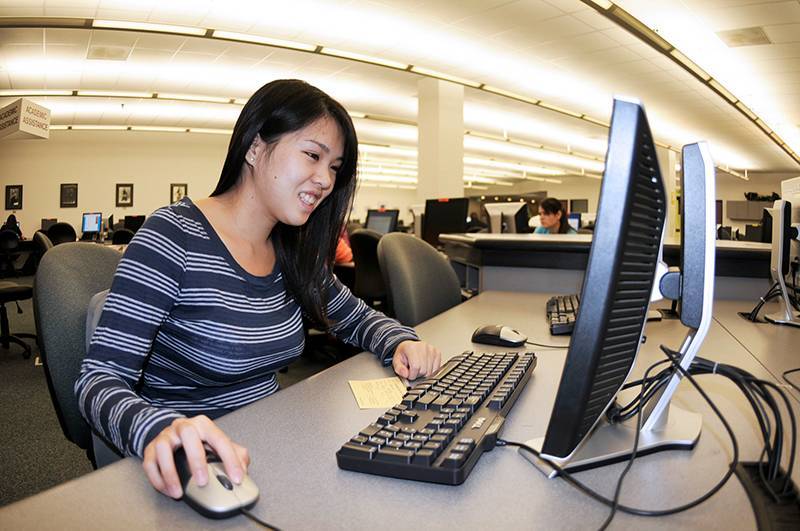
point(293, 176)
point(550, 221)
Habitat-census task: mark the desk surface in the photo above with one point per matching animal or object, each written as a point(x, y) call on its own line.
point(294, 434)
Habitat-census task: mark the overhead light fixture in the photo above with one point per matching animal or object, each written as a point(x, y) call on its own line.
point(476, 187)
point(406, 187)
point(722, 91)
point(602, 4)
point(148, 26)
point(560, 109)
point(354, 114)
point(158, 129)
point(191, 97)
point(509, 94)
point(555, 181)
point(98, 127)
point(258, 39)
point(690, 65)
point(637, 26)
point(446, 77)
point(595, 121)
point(114, 94)
point(746, 110)
point(210, 131)
point(764, 127)
point(14, 93)
point(363, 58)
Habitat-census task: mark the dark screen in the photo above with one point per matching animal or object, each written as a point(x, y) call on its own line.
point(444, 216)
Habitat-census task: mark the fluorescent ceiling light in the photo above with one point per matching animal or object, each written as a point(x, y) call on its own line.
point(509, 94)
point(560, 109)
point(640, 27)
point(158, 128)
point(377, 170)
point(99, 127)
point(386, 178)
point(354, 114)
point(603, 4)
point(115, 94)
point(556, 181)
point(148, 26)
point(34, 92)
point(445, 77)
point(210, 131)
point(364, 58)
point(406, 187)
point(387, 150)
point(764, 127)
point(192, 97)
point(745, 109)
point(725, 93)
point(595, 121)
point(691, 65)
point(475, 186)
point(258, 39)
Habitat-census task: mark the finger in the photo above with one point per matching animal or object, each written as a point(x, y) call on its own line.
point(399, 368)
point(223, 447)
point(166, 466)
point(195, 453)
point(430, 360)
point(151, 469)
point(438, 358)
point(243, 454)
point(413, 367)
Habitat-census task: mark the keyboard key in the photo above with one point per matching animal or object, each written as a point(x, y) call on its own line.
point(394, 455)
point(357, 450)
point(453, 460)
point(371, 430)
point(424, 457)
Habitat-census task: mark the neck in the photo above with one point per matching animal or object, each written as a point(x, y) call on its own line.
point(245, 214)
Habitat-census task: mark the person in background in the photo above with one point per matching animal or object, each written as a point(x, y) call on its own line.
point(553, 218)
point(13, 225)
point(209, 299)
point(343, 252)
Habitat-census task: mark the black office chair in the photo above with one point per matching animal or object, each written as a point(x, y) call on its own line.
point(42, 243)
point(13, 292)
point(61, 232)
point(68, 277)
point(368, 284)
point(122, 236)
point(420, 282)
point(9, 252)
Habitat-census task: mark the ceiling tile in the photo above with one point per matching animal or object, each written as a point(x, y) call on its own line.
point(783, 33)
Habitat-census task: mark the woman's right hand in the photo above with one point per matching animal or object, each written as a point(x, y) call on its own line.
point(191, 433)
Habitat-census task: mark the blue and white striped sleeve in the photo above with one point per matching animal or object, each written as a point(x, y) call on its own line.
point(357, 324)
point(145, 287)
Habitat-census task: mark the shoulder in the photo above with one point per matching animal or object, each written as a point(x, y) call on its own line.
point(540, 230)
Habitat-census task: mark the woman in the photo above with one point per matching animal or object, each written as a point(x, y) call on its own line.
point(553, 218)
point(12, 224)
point(208, 301)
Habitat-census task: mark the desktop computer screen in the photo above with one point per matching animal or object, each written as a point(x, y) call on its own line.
point(574, 219)
point(619, 283)
point(133, 222)
point(510, 217)
point(92, 222)
point(383, 221)
point(444, 216)
point(47, 223)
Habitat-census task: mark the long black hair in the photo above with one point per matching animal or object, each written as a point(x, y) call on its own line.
point(305, 253)
point(551, 206)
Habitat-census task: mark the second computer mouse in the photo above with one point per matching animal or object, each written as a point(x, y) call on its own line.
point(220, 497)
point(503, 336)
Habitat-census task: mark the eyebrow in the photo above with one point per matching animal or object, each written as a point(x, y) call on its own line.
point(322, 146)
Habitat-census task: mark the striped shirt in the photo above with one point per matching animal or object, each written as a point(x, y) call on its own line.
point(185, 331)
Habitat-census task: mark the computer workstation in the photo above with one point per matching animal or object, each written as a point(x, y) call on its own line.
point(382, 221)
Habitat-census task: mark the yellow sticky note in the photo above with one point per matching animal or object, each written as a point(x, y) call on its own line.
point(383, 393)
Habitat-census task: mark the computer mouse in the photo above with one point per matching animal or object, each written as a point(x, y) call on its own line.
point(220, 497)
point(500, 335)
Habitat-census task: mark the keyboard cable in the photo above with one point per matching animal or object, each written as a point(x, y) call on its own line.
point(259, 521)
point(546, 346)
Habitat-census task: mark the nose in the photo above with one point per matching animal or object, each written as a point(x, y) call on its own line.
point(323, 178)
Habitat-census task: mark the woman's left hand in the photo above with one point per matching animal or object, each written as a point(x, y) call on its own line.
point(416, 358)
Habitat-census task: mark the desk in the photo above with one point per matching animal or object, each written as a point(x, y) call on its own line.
point(294, 434)
point(554, 263)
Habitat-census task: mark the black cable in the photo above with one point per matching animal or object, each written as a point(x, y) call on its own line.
point(788, 381)
point(257, 520)
point(647, 512)
point(546, 346)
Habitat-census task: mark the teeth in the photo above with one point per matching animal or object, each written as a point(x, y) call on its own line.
point(308, 198)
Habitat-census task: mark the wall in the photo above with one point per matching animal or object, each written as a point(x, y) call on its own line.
point(98, 160)
point(731, 188)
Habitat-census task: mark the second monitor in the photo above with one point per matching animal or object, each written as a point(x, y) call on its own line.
point(508, 217)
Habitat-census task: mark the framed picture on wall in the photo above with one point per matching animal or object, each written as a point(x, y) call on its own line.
point(13, 197)
point(177, 192)
point(124, 195)
point(69, 195)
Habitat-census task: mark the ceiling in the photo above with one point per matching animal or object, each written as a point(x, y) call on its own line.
point(562, 52)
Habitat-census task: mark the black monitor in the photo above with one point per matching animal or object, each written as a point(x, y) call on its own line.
point(444, 216)
point(766, 227)
point(383, 221)
point(47, 223)
point(133, 222)
point(783, 234)
point(624, 265)
point(91, 222)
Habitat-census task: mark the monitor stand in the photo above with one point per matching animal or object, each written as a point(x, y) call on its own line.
point(786, 314)
point(664, 426)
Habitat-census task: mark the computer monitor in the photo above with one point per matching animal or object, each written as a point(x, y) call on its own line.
point(574, 219)
point(507, 217)
point(620, 281)
point(444, 216)
point(383, 221)
point(133, 222)
point(47, 223)
point(784, 235)
point(91, 222)
point(580, 206)
point(766, 226)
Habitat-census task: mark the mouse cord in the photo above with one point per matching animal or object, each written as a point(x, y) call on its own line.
point(257, 520)
point(546, 346)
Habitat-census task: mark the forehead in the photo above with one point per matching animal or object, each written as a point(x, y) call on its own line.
point(325, 131)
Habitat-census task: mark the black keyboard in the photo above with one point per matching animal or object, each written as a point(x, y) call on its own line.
point(562, 310)
point(444, 423)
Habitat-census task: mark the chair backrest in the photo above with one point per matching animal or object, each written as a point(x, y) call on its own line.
point(122, 236)
point(420, 282)
point(9, 241)
point(42, 242)
point(61, 232)
point(369, 281)
point(68, 277)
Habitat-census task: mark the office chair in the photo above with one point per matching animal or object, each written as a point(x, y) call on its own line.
point(68, 277)
point(42, 243)
point(61, 232)
point(9, 252)
point(13, 292)
point(122, 236)
point(368, 284)
point(420, 282)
